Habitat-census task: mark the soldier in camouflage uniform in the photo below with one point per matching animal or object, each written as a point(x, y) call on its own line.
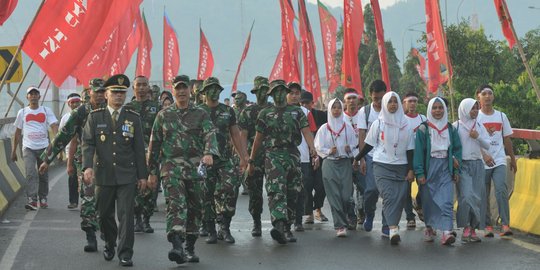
point(147, 109)
point(155, 92)
point(247, 121)
point(222, 182)
point(181, 135)
point(280, 129)
point(240, 103)
point(71, 133)
point(196, 96)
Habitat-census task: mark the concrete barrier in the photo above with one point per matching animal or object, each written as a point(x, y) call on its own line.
point(12, 178)
point(525, 199)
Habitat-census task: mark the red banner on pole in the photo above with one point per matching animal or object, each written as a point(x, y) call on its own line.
point(277, 69)
point(353, 28)
point(206, 59)
point(144, 62)
point(312, 82)
point(291, 72)
point(244, 54)
point(65, 30)
point(380, 43)
point(506, 21)
point(6, 8)
point(113, 54)
point(439, 68)
point(421, 68)
point(329, 34)
point(171, 53)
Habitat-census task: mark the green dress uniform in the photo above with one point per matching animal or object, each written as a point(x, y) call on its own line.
point(145, 200)
point(115, 149)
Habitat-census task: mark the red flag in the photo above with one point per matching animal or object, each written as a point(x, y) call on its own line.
point(328, 34)
point(6, 8)
point(64, 31)
point(206, 60)
point(171, 52)
point(291, 72)
point(144, 63)
point(113, 54)
point(421, 68)
point(380, 43)
point(244, 54)
point(353, 28)
point(312, 82)
point(506, 21)
point(439, 68)
point(277, 69)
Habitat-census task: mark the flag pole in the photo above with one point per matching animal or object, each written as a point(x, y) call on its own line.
point(450, 74)
point(14, 59)
point(532, 78)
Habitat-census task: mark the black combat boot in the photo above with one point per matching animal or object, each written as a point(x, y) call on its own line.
point(277, 232)
point(146, 225)
point(289, 235)
point(203, 231)
point(176, 254)
point(225, 232)
point(257, 227)
point(190, 249)
point(212, 234)
point(138, 224)
point(91, 241)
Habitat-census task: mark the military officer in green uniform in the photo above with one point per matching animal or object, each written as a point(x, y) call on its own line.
point(71, 134)
point(247, 121)
point(280, 129)
point(114, 159)
point(222, 182)
point(147, 110)
point(182, 137)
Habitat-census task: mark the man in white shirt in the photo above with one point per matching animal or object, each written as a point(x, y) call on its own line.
point(33, 124)
point(410, 102)
point(368, 114)
point(73, 101)
point(499, 130)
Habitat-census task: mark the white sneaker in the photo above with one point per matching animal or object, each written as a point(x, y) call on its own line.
point(394, 236)
point(341, 232)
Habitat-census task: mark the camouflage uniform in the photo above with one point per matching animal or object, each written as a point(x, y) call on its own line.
point(282, 134)
point(238, 108)
point(148, 109)
point(180, 137)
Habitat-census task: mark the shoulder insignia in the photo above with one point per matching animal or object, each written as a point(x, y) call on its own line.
point(98, 110)
point(132, 111)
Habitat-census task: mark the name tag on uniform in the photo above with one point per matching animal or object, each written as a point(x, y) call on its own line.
point(101, 125)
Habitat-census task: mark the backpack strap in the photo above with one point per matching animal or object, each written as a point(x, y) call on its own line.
point(367, 110)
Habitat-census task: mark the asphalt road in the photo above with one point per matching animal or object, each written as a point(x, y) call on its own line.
point(51, 239)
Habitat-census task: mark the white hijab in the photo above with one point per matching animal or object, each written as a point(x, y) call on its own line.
point(464, 111)
point(440, 139)
point(393, 122)
point(335, 124)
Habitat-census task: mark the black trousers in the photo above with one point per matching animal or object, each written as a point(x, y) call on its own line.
point(312, 182)
point(123, 197)
point(73, 187)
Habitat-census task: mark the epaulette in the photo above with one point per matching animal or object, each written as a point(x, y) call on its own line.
point(132, 111)
point(98, 110)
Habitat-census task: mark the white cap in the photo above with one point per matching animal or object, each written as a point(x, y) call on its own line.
point(30, 89)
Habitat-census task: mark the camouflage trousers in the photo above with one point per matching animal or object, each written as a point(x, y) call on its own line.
point(221, 190)
point(283, 183)
point(88, 201)
point(185, 204)
point(144, 202)
point(254, 184)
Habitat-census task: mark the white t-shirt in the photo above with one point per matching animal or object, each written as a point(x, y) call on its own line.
point(416, 121)
point(35, 126)
point(63, 121)
point(373, 115)
point(471, 148)
point(353, 120)
point(303, 147)
point(497, 127)
point(325, 140)
point(399, 156)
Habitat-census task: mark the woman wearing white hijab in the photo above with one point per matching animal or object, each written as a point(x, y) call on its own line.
point(335, 143)
point(437, 145)
point(471, 189)
point(393, 140)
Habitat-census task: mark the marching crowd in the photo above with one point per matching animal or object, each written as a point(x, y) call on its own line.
point(199, 151)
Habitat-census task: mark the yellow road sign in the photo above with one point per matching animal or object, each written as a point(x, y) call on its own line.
point(16, 74)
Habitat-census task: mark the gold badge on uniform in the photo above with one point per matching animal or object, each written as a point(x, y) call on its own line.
point(102, 138)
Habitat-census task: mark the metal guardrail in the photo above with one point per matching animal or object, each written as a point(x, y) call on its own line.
point(532, 137)
point(8, 120)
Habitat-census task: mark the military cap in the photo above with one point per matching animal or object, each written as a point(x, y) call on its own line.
point(209, 82)
point(96, 84)
point(259, 83)
point(275, 84)
point(295, 85)
point(117, 83)
point(180, 79)
point(238, 93)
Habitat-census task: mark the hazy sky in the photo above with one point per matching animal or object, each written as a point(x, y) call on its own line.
point(339, 3)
